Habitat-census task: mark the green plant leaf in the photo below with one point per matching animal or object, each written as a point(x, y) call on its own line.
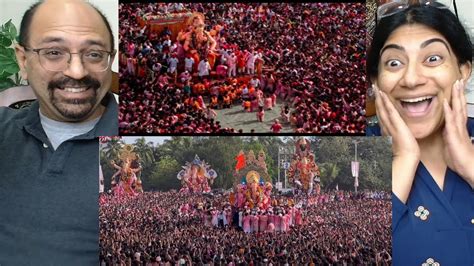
point(8, 52)
point(11, 29)
point(8, 61)
point(11, 68)
point(3, 28)
point(4, 75)
point(6, 83)
point(5, 41)
point(11, 53)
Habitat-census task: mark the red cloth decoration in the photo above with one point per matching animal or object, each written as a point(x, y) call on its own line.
point(240, 162)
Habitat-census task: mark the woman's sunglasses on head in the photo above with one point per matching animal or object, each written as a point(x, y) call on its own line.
point(396, 6)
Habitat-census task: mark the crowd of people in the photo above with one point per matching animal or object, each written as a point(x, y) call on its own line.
point(153, 229)
point(308, 56)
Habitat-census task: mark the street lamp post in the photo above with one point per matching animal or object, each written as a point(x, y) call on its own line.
point(279, 163)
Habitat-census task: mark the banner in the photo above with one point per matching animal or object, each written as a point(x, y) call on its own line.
point(355, 169)
point(355, 172)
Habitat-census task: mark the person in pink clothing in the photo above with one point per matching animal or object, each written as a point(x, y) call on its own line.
point(286, 222)
point(271, 217)
point(228, 216)
point(276, 126)
point(270, 228)
point(254, 222)
point(260, 114)
point(246, 223)
point(268, 103)
point(131, 49)
point(254, 105)
point(214, 214)
point(221, 71)
point(201, 102)
point(263, 220)
point(274, 99)
point(291, 214)
point(259, 95)
point(298, 217)
point(277, 222)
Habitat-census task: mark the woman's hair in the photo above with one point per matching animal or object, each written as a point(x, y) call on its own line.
point(438, 19)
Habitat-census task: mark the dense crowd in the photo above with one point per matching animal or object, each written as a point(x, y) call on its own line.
point(310, 56)
point(151, 229)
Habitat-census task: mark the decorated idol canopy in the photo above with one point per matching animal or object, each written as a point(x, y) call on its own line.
point(196, 176)
point(128, 172)
point(303, 172)
point(253, 185)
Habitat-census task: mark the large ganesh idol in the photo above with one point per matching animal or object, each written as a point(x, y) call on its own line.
point(198, 42)
point(196, 176)
point(303, 172)
point(129, 184)
point(253, 185)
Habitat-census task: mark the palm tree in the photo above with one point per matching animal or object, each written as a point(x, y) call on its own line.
point(329, 174)
point(144, 150)
point(112, 149)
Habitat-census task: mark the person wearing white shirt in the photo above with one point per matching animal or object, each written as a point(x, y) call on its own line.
point(188, 64)
point(203, 68)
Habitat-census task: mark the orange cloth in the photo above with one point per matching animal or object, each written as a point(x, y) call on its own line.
point(222, 89)
point(232, 198)
point(240, 162)
point(198, 88)
point(226, 99)
point(251, 91)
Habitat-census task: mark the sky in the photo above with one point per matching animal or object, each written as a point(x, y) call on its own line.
point(155, 140)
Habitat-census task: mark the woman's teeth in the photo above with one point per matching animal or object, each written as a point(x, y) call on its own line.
point(418, 105)
point(416, 100)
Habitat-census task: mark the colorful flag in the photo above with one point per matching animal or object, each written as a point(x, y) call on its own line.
point(240, 161)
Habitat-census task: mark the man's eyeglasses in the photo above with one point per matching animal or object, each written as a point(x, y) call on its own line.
point(395, 6)
point(57, 59)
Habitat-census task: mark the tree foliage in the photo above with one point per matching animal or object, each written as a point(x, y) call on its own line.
point(162, 162)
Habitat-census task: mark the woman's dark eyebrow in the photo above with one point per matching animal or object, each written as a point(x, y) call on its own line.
point(423, 45)
point(392, 46)
point(430, 41)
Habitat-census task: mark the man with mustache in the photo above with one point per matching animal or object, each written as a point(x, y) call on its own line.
point(49, 152)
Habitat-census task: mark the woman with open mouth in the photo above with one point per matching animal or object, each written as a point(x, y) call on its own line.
point(419, 62)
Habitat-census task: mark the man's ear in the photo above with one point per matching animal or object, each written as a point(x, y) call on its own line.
point(112, 57)
point(21, 59)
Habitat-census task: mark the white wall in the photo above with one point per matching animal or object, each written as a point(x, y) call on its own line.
point(466, 14)
point(14, 9)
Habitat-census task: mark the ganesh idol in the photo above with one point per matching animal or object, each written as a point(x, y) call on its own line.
point(198, 42)
point(196, 177)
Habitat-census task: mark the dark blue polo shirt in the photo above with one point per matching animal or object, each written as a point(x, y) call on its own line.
point(49, 198)
point(434, 227)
